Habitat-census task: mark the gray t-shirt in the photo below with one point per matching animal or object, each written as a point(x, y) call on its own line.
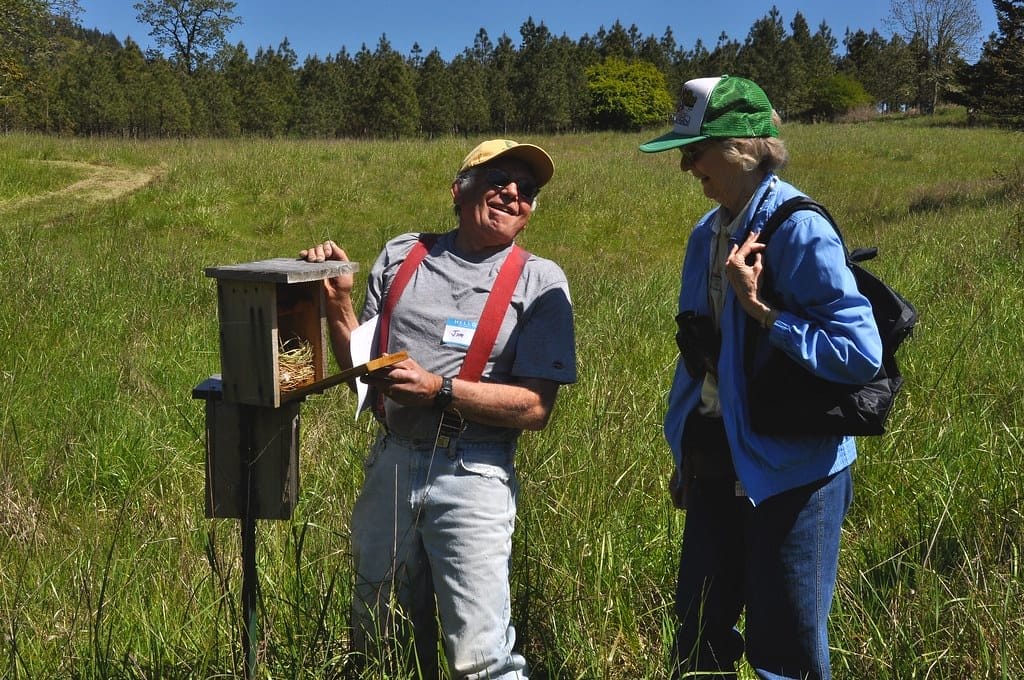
point(438, 311)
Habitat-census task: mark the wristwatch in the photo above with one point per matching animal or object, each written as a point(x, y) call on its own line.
point(443, 398)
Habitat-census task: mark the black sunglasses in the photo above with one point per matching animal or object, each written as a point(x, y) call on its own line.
point(499, 179)
point(693, 152)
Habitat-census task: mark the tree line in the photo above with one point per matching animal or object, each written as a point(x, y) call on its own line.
point(58, 77)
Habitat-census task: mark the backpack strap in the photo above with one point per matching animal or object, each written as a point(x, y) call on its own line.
point(790, 206)
point(781, 213)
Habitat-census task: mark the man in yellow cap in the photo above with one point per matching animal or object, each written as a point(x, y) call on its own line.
point(489, 332)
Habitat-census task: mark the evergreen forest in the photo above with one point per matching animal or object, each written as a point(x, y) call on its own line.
point(57, 76)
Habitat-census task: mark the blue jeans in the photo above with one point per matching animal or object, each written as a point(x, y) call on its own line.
point(431, 543)
point(778, 560)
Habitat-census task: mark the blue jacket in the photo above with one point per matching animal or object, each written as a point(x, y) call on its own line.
point(834, 335)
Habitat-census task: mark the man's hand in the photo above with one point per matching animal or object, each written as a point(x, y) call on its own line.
point(406, 382)
point(336, 287)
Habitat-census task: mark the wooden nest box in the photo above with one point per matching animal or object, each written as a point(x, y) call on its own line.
point(264, 308)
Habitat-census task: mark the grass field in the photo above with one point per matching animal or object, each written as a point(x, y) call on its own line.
point(109, 569)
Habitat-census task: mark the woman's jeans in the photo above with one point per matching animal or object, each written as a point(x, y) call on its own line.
point(431, 542)
point(778, 560)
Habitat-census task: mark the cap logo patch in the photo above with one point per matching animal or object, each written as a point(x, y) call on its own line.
point(687, 100)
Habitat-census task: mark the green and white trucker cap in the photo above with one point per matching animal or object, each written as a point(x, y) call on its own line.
point(728, 106)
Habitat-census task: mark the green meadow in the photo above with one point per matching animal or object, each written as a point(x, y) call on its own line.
point(110, 569)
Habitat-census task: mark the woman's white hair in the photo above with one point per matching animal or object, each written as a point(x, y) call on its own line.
point(757, 153)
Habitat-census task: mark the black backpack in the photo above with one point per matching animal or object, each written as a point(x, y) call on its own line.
point(786, 399)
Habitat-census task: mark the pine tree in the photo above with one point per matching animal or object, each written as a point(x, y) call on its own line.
point(436, 95)
point(315, 100)
point(272, 91)
point(505, 114)
point(771, 60)
point(996, 83)
point(136, 81)
point(214, 112)
point(615, 42)
point(541, 87)
point(472, 110)
point(393, 107)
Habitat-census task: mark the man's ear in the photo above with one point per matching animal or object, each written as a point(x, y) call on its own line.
point(456, 193)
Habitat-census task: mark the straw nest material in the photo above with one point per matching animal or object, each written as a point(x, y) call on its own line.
point(295, 363)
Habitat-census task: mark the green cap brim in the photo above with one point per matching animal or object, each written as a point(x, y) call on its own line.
point(669, 140)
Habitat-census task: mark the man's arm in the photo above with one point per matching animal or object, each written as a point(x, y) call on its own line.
point(525, 405)
point(341, 314)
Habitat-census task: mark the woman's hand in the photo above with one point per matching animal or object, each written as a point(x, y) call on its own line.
point(743, 268)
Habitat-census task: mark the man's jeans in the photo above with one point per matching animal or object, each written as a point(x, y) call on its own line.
point(431, 542)
point(778, 560)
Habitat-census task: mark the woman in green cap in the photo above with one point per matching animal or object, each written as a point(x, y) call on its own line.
point(764, 512)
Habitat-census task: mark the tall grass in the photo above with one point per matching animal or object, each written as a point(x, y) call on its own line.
point(108, 568)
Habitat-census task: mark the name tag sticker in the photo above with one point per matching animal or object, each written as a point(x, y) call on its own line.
point(458, 332)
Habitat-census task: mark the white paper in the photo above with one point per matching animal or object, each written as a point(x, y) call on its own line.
point(360, 348)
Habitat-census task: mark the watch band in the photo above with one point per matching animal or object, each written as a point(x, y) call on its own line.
point(444, 396)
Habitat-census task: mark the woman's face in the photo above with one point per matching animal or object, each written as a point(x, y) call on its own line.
point(719, 177)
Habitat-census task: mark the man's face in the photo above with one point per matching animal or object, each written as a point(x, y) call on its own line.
point(497, 204)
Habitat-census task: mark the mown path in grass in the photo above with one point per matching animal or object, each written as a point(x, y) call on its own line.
point(101, 183)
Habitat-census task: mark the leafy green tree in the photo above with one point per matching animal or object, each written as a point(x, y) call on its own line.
point(627, 95)
point(416, 56)
point(29, 43)
point(21, 23)
point(882, 66)
point(864, 53)
point(941, 32)
point(190, 29)
point(661, 53)
point(483, 48)
point(244, 84)
point(836, 95)
point(436, 94)
point(364, 75)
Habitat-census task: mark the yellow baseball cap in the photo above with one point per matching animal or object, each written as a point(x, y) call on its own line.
point(539, 161)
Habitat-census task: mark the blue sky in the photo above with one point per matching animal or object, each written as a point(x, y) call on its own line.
point(323, 27)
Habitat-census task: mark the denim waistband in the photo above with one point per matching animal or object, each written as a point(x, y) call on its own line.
point(455, 443)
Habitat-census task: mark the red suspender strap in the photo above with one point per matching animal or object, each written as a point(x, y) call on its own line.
point(497, 304)
point(402, 276)
point(494, 313)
